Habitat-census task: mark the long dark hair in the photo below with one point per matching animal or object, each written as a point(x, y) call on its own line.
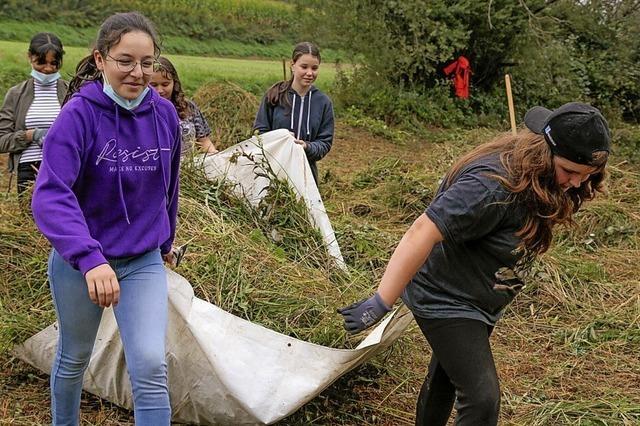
point(530, 177)
point(177, 96)
point(277, 94)
point(43, 43)
point(109, 35)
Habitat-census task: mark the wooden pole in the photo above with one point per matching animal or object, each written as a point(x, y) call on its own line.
point(284, 69)
point(512, 114)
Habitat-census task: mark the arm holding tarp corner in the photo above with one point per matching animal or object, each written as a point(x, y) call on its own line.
point(408, 257)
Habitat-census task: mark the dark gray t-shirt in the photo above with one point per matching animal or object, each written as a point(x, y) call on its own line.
point(478, 223)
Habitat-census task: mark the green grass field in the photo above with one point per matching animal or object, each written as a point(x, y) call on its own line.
point(77, 36)
point(253, 75)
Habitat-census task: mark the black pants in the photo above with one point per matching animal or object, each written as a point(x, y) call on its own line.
point(461, 371)
point(27, 173)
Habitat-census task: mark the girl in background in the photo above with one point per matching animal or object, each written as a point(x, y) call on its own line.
point(461, 263)
point(30, 108)
point(106, 198)
point(297, 105)
point(195, 129)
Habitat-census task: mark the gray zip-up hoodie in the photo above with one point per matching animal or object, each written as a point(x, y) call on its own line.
point(309, 117)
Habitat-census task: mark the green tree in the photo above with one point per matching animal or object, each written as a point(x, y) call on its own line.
point(556, 50)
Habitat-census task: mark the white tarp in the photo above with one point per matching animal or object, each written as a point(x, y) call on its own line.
point(222, 369)
point(288, 160)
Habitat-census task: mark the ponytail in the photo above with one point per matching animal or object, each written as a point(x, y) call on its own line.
point(277, 94)
point(86, 70)
point(109, 35)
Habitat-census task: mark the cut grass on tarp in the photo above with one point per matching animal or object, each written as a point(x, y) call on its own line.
point(267, 263)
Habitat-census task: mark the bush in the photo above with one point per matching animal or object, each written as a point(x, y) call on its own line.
point(360, 94)
point(556, 51)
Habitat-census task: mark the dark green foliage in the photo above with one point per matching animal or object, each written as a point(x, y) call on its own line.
point(586, 51)
point(556, 51)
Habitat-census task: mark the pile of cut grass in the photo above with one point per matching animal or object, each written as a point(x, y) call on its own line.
point(230, 111)
point(268, 263)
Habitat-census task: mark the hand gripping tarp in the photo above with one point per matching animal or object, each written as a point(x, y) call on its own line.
point(288, 161)
point(222, 369)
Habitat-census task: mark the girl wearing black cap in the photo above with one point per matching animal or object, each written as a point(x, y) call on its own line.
point(462, 261)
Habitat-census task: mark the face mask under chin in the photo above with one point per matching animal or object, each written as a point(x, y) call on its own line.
point(127, 104)
point(45, 78)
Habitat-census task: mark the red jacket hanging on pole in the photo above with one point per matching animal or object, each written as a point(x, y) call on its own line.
point(462, 70)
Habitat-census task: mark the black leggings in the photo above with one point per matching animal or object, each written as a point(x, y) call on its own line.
point(27, 173)
point(461, 367)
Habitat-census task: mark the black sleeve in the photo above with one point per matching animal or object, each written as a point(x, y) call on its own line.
point(318, 148)
point(263, 121)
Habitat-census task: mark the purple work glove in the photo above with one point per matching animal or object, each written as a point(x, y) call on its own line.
point(363, 314)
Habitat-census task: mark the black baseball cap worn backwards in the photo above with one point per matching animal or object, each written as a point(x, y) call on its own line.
point(574, 131)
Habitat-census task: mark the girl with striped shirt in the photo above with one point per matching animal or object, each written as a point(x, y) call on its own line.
point(31, 107)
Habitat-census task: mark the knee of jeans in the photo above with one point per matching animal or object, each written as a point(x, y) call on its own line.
point(148, 364)
point(73, 365)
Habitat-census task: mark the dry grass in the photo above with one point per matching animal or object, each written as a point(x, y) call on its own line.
point(567, 350)
point(230, 111)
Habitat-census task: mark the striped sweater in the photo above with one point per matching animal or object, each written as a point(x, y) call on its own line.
point(41, 114)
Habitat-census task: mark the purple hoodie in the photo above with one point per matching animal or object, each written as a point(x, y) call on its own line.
point(108, 184)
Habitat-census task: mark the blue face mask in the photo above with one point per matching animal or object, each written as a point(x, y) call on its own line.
point(45, 78)
point(127, 104)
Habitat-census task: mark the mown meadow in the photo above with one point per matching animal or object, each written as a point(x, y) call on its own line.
point(567, 350)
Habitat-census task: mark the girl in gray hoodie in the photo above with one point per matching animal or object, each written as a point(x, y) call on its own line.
point(297, 105)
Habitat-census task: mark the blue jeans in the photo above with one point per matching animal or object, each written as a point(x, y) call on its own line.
point(142, 320)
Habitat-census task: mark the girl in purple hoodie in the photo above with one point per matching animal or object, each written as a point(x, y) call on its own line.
point(106, 198)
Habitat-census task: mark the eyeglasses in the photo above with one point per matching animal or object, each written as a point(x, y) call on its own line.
point(148, 66)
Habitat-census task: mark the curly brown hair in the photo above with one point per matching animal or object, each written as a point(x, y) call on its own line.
point(530, 177)
point(178, 99)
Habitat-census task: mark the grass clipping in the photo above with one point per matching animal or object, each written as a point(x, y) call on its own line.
point(268, 263)
point(229, 110)
point(25, 300)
